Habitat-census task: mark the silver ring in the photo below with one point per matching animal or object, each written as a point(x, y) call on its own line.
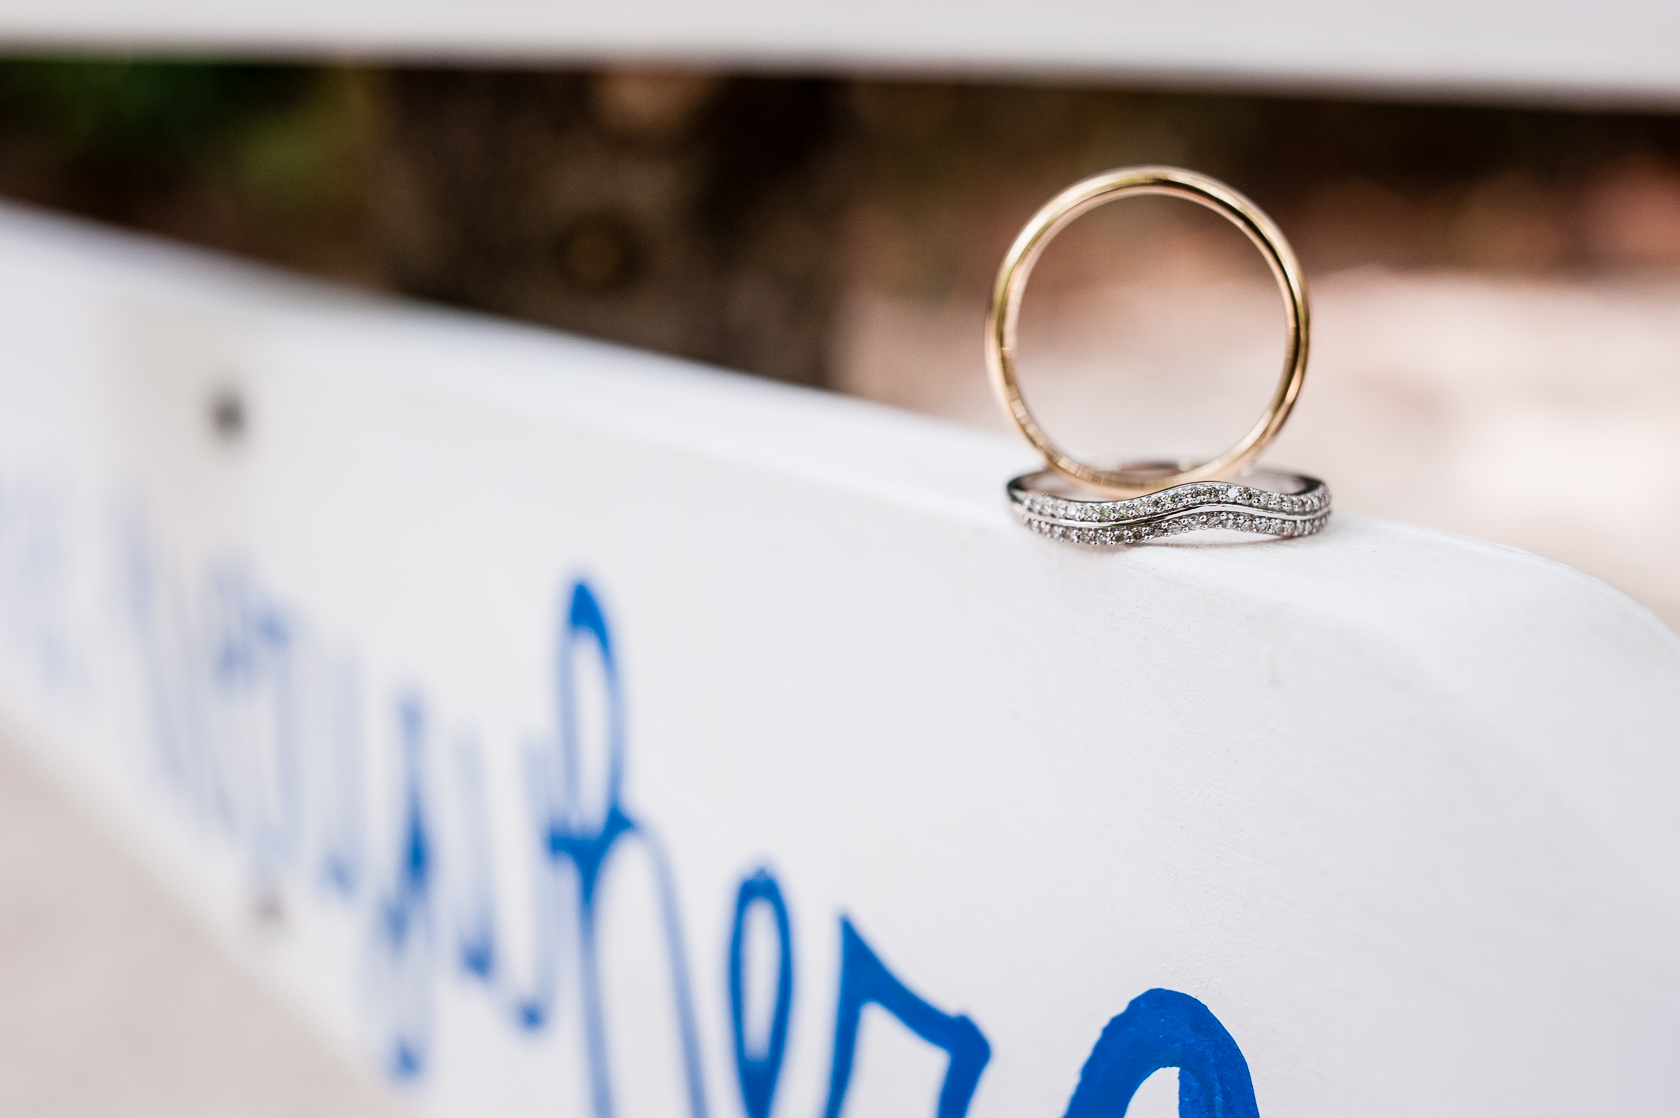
point(1280, 504)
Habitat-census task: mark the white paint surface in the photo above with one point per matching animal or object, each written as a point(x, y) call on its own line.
point(1395, 806)
point(117, 1003)
point(1555, 50)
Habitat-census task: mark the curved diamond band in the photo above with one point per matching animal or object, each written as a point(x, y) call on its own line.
point(1297, 506)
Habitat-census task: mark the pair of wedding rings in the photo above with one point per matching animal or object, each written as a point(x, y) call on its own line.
point(1074, 501)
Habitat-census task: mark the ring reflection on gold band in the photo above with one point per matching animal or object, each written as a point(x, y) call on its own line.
point(1078, 199)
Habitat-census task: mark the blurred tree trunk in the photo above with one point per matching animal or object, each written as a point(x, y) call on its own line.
point(679, 212)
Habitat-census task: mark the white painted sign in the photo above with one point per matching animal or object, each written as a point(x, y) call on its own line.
point(1571, 51)
point(566, 730)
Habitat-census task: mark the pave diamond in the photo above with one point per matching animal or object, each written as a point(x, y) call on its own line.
point(1100, 522)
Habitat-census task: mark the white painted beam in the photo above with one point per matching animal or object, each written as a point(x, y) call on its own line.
point(446, 615)
point(1553, 51)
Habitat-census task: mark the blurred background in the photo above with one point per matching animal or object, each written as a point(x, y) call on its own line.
point(1497, 289)
point(1496, 345)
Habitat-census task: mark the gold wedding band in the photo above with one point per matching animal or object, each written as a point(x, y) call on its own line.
point(1017, 266)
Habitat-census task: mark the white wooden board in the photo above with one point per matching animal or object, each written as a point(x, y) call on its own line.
point(470, 691)
point(1617, 51)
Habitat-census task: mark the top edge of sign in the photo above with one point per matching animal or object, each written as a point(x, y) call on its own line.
point(945, 470)
point(1436, 598)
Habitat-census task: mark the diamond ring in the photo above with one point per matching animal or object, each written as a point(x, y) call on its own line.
point(1145, 501)
point(1266, 502)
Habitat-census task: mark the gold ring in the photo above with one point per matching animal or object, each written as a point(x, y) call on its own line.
point(1017, 266)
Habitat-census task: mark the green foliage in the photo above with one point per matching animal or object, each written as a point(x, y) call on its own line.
point(123, 110)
